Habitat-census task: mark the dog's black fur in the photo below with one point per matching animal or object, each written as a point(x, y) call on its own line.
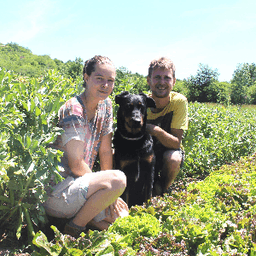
point(133, 146)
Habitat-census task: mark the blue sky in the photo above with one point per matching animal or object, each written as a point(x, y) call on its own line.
point(220, 33)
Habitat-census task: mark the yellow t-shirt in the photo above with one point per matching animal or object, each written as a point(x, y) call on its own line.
point(174, 115)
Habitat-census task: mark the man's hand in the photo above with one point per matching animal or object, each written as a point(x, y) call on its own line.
point(150, 128)
point(169, 140)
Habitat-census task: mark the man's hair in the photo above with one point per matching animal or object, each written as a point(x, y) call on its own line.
point(164, 63)
point(90, 65)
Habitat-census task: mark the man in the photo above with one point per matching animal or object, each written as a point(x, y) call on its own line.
point(166, 122)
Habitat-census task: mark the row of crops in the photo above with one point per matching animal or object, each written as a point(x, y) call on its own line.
point(217, 135)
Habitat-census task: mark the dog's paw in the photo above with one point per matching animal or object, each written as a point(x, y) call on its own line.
point(158, 191)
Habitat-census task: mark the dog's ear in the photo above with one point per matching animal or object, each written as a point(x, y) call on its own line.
point(120, 96)
point(149, 101)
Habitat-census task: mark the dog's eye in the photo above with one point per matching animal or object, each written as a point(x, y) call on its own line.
point(129, 106)
point(140, 105)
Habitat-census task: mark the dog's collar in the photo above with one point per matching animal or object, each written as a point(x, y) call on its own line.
point(128, 138)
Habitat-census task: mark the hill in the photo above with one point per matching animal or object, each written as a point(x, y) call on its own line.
point(202, 87)
point(21, 60)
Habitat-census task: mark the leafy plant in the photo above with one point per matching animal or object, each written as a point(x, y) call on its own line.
point(217, 135)
point(192, 220)
point(143, 225)
point(28, 110)
point(178, 222)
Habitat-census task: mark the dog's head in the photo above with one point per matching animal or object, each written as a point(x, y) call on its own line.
point(132, 112)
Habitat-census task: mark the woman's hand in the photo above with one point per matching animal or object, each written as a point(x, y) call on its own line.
point(118, 209)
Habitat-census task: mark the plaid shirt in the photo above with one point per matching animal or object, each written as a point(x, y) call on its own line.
point(73, 120)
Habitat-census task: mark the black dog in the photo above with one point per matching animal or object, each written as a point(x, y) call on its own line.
point(134, 153)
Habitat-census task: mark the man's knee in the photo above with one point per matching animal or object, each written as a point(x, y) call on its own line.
point(172, 158)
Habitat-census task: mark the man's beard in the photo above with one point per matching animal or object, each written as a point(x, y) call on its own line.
point(157, 93)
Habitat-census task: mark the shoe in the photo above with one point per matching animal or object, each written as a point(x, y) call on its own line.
point(72, 231)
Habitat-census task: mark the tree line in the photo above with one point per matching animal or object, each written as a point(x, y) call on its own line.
point(204, 86)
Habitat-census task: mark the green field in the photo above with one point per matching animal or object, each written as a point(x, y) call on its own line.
point(210, 209)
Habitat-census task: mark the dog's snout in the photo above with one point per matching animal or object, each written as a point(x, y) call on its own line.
point(136, 117)
point(137, 122)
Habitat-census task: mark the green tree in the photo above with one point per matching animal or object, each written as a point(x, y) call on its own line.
point(128, 81)
point(223, 92)
point(252, 94)
point(238, 94)
point(74, 69)
point(201, 87)
point(60, 65)
point(245, 74)
point(180, 86)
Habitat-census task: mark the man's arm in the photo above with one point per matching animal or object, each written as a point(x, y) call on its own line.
point(166, 139)
point(105, 153)
point(75, 152)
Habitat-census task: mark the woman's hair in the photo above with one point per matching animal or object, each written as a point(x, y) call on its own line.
point(164, 63)
point(90, 65)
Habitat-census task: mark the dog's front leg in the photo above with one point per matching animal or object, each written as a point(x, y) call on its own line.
point(149, 186)
point(125, 195)
point(150, 178)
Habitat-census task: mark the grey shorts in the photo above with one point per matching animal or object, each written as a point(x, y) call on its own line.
point(68, 197)
point(159, 151)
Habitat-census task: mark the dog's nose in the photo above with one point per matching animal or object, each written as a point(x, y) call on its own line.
point(136, 119)
point(136, 116)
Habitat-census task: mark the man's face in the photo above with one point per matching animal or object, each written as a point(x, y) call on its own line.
point(161, 82)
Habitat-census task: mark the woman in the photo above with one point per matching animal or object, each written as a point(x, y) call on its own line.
point(87, 197)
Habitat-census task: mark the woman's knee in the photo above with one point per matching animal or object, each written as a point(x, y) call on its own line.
point(112, 181)
point(118, 180)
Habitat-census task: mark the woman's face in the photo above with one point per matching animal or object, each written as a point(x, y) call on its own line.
point(100, 83)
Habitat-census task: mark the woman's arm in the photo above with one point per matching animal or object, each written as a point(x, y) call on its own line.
point(119, 207)
point(75, 153)
point(105, 152)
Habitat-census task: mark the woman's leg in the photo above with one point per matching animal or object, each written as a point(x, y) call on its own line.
point(101, 225)
point(104, 188)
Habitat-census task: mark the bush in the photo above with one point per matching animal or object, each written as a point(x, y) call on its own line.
point(28, 110)
point(217, 135)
